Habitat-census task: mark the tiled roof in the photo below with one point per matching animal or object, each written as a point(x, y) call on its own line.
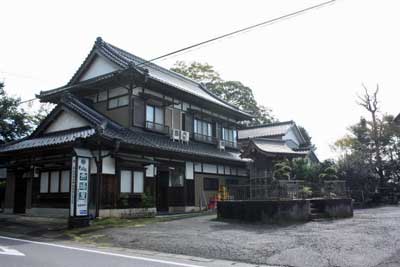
point(276, 147)
point(397, 119)
point(267, 130)
point(111, 130)
point(124, 59)
point(49, 140)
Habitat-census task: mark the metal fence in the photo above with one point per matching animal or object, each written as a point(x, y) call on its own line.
point(286, 189)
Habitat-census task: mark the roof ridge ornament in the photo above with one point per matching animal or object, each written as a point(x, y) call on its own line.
point(99, 41)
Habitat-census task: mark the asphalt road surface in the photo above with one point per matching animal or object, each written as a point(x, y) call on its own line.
point(21, 253)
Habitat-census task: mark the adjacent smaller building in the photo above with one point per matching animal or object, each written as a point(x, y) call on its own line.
point(267, 143)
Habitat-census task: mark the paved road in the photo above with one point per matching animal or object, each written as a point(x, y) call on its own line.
point(21, 253)
point(371, 238)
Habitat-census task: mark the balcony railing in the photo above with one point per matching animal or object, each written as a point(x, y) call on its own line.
point(205, 138)
point(157, 127)
point(230, 144)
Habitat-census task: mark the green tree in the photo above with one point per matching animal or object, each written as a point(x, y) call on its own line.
point(282, 170)
point(307, 137)
point(16, 122)
point(233, 92)
point(371, 149)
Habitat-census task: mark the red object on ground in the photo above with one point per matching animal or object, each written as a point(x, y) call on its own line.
point(212, 204)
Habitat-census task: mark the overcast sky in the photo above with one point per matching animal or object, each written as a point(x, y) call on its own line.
point(308, 68)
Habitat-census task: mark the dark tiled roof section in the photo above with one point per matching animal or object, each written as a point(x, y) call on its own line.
point(49, 140)
point(111, 130)
point(272, 129)
point(275, 147)
point(164, 143)
point(93, 80)
point(146, 139)
point(123, 59)
point(143, 138)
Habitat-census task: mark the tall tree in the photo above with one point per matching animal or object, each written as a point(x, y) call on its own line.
point(370, 103)
point(233, 92)
point(16, 122)
point(372, 144)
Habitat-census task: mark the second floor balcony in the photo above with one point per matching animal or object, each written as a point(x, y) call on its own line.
point(230, 144)
point(157, 127)
point(204, 138)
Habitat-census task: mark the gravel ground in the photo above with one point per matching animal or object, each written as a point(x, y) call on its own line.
point(371, 238)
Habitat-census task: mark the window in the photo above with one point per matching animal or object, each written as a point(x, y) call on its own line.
point(65, 181)
point(132, 186)
point(126, 181)
point(44, 182)
point(211, 184)
point(117, 102)
point(55, 181)
point(138, 182)
point(176, 177)
point(229, 135)
point(154, 114)
point(155, 118)
point(203, 130)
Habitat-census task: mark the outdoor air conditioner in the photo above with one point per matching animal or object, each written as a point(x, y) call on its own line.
point(221, 145)
point(175, 134)
point(185, 136)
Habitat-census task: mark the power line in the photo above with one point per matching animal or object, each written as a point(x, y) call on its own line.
point(270, 21)
point(248, 28)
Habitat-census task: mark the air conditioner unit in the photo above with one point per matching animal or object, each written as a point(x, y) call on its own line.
point(185, 136)
point(221, 145)
point(175, 134)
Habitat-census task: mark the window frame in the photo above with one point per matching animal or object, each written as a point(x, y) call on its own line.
point(59, 171)
point(118, 106)
point(132, 189)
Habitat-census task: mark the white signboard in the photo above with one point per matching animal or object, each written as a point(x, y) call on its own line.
point(73, 183)
point(82, 186)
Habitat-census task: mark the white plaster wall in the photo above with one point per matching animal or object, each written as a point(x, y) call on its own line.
point(98, 67)
point(108, 163)
point(66, 121)
point(290, 135)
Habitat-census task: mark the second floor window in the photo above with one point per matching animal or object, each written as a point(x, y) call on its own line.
point(203, 130)
point(154, 114)
point(202, 127)
point(117, 102)
point(155, 118)
point(229, 135)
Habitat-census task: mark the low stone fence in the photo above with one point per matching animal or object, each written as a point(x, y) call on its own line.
point(335, 207)
point(266, 211)
point(278, 211)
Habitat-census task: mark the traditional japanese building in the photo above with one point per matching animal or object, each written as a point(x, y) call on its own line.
point(268, 143)
point(125, 134)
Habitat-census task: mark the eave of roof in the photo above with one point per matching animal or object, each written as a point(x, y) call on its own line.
point(125, 60)
point(106, 128)
point(272, 147)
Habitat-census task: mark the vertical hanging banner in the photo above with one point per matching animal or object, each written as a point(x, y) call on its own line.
point(82, 186)
point(73, 187)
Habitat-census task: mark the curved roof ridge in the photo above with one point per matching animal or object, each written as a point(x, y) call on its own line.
point(170, 72)
point(269, 124)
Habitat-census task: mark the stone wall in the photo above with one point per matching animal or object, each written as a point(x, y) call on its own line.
point(276, 211)
point(266, 211)
point(335, 207)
